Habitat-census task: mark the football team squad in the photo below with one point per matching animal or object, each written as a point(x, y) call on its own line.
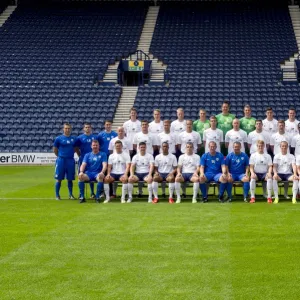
point(222, 150)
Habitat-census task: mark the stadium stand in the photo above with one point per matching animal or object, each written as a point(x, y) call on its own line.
point(218, 51)
point(48, 60)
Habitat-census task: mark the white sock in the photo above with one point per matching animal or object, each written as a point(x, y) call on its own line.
point(155, 189)
point(163, 187)
point(265, 188)
point(295, 188)
point(106, 190)
point(177, 189)
point(269, 187)
point(124, 190)
point(171, 189)
point(275, 188)
point(115, 186)
point(286, 188)
point(252, 187)
point(141, 184)
point(183, 187)
point(130, 190)
point(195, 189)
point(150, 190)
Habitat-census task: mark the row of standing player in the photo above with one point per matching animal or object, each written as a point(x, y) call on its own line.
point(165, 131)
point(211, 167)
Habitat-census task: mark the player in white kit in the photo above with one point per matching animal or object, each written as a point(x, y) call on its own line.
point(142, 167)
point(156, 126)
point(278, 137)
point(126, 144)
point(179, 125)
point(284, 168)
point(164, 170)
point(118, 169)
point(189, 136)
point(269, 123)
point(260, 169)
point(291, 124)
point(188, 171)
point(213, 134)
point(258, 135)
point(295, 143)
point(132, 126)
point(235, 135)
point(146, 137)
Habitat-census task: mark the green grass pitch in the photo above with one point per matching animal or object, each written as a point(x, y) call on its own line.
point(65, 250)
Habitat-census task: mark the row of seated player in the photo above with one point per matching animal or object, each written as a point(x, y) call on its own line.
point(211, 168)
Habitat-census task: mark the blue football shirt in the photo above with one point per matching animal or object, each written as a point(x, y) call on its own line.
point(104, 138)
point(212, 164)
point(84, 142)
point(237, 163)
point(94, 161)
point(65, 146)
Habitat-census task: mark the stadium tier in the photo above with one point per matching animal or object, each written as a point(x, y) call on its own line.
point(50, 56)
point(217, 51)
point(48, 60)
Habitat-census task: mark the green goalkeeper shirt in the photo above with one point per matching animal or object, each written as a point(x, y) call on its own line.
point(225, 122)
point(247, 124)
point(200, 126)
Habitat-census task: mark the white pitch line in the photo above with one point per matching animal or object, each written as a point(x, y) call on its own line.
point(30, 199)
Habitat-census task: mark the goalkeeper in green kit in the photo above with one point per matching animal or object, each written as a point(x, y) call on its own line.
point(225, 119)
point(200, 125)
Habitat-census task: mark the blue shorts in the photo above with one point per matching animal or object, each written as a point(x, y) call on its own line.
point(187, 176)
point(164, 176)
point(238, 177)
point(92, 175)
point(64, 168)
point(261, 176)
point(141, 176)
point(116, 176)
point(284, 177)
point(213, 176)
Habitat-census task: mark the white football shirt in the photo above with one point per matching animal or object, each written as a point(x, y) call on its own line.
point(170, 138)
point(284, 163)
point(142, 162)
point(189, 163)
point(177, 126)
point(127, 145)
point(255, 136)
point(132, 128)
point(291, 128)
point(156, 128)
point(261, 162)
point(185, 137)
point(276, 139)
point(236, 136)
point(165, 163)
point(295, 143)
point(118, 162)
point(210, 135)
point(270, 126)
point(148, 138)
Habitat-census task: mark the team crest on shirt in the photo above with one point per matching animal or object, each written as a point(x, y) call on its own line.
point(68, 142)
point(217, 159)
point(242, 158)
